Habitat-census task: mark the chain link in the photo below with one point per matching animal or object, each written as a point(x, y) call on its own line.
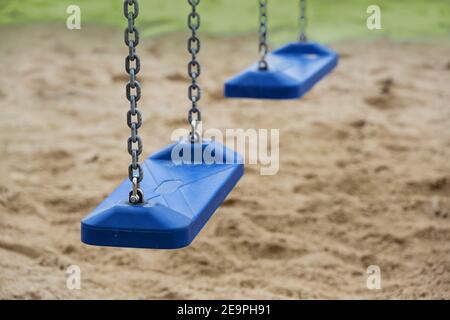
point(133, 94)
point(194, 70)
point(263, 48)
point(303, 21)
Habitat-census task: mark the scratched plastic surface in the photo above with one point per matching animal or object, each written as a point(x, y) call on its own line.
point(179, 200)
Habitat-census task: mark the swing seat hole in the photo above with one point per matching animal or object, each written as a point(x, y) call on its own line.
point(139, 194)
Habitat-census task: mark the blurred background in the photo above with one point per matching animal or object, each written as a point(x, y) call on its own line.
point(328, 20)
point(364, 170)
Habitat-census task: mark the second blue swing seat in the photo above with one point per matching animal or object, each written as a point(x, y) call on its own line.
point(179, 200)
point(292, 71)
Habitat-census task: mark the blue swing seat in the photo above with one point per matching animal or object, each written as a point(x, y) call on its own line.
point(292, 71)
point(179, 199)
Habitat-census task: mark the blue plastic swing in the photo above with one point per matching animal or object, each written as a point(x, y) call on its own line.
point(179, 200)
point(286, 73)
point(292, 71)
point(176, 190)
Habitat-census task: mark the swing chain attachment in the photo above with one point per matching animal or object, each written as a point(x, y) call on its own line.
point(133, 94)
point(303, 21)
point(263, 48)
point(194, 70)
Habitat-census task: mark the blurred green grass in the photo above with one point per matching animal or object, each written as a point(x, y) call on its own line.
point(328, 20)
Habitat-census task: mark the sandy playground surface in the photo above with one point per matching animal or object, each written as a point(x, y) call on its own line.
point(364, 171)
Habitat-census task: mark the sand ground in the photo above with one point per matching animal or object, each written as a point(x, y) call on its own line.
point(364, 171)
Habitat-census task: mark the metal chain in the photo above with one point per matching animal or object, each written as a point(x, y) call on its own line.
point(263, 48)
point(133, 94)
point(303, 21)
point(194, 70)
